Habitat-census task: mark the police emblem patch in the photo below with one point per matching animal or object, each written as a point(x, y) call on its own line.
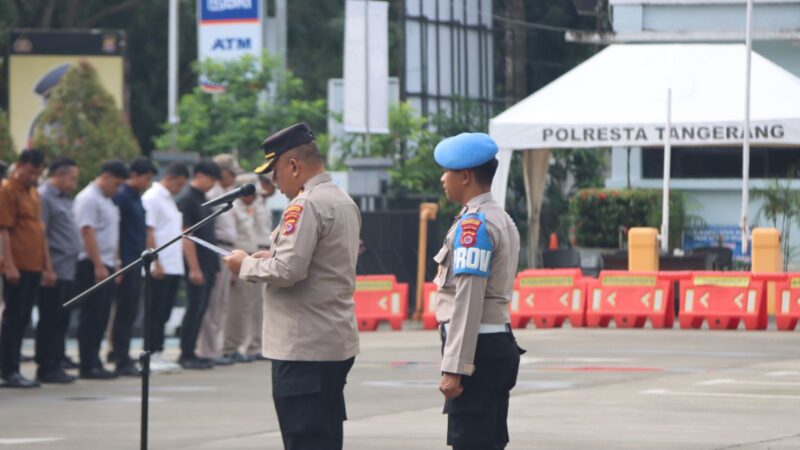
point(290, 218)
point(473, 246)
point(469, 231)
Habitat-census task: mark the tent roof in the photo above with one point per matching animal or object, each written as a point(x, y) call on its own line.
point(618, 98)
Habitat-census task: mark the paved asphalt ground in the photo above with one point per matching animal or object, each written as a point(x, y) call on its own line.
point(578, 389)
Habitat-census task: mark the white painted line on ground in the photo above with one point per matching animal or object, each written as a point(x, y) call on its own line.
point(525, 360)
point(667, 392)
point(784, 373)
point(19, 441)
point(747, 382)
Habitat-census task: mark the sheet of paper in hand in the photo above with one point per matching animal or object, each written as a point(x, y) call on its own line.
point(208, 245)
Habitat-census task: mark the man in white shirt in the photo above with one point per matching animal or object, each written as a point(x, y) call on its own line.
point(164, 221)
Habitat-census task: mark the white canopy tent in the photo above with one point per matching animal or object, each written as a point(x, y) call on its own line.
point(618, 98)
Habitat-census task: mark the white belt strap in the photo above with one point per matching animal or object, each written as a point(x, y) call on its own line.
point(484, 328)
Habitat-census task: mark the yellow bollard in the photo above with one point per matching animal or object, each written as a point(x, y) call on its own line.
point(767, 257)
point(643, 250)
point(427, 212)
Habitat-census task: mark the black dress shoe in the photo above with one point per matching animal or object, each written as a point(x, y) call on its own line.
point(97, 373)
point(16, 380)
point(223, 361)
point(68, 364)
point(128, 370)
point(240, 358)
point(195, 364)
point(56, 376)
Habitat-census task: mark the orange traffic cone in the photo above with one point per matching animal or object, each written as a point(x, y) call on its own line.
point(553, 242)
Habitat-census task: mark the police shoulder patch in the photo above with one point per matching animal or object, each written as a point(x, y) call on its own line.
point(473, 247)
point(290, 218)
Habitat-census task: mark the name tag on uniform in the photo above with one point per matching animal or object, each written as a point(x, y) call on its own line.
point(473, 247)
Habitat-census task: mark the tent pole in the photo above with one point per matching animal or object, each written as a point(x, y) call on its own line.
point(746, 139)
point(667, 168)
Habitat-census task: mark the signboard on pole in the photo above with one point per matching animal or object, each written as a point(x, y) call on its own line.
point(228, 30)
point(39, 58)
point(366, 67)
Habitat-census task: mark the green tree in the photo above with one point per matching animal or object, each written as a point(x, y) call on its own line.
point(781, 209)
point(570, 171)
point(82, 121)
point(260, 98)
point(8, 152)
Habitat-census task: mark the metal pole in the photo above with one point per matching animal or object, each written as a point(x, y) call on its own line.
point(746, 139)
point(366, 74)
point(172, 63)
point(144, 358)
point(667, 167)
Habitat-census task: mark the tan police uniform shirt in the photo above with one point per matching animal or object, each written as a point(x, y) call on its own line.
point(465, 301)
point(311, 276)
point(224, 224)
point(247, 234)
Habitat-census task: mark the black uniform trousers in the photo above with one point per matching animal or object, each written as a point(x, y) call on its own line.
point(477, 419)
point(309, 400)
point(93, 318)
point(163, 295)
point(198, 296)
point(128, 296)
point(51, 331)
point(19, 300)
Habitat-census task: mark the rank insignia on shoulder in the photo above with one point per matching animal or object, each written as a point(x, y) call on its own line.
point(290, 218)
point(473, 246)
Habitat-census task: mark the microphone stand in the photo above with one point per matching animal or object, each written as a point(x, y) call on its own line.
point(147, 258)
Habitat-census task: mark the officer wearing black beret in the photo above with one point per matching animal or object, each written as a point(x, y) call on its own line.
point(309, 332)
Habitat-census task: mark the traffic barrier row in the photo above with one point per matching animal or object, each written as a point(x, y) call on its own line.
point(549, 298)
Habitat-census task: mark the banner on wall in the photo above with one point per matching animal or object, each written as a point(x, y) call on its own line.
point(228, 30)
point(729, 236)
point(37, 61)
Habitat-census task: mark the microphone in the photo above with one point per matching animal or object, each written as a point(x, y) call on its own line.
point(228, 197)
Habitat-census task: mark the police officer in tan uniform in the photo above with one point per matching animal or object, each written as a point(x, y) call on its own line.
point(477, 266)
point(310, 332)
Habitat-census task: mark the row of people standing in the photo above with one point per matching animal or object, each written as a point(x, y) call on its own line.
point(54, 247)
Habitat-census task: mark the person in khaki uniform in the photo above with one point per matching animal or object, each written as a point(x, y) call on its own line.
point(245, 296)
point(210, 341)
point(310, 332)
point(477, 266)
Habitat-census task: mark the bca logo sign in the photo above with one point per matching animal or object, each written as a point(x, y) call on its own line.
point(472, 258)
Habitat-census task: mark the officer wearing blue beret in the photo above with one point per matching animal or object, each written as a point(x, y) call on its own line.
point(475, 283)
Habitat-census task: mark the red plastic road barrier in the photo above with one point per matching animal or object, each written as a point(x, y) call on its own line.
point(629, 298)
point(380, 297)
point(787, 311)
point(429, 307)
point(723, 299)
point(548, 298)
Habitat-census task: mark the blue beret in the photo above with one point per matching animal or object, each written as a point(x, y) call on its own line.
point(465, 151)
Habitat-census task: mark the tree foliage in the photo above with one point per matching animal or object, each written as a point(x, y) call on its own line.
point(600, 214)
point(81, 120)
point(8, 152)
point(260, 98)
point(781, 209)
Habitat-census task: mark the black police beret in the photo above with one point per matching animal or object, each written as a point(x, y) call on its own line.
point(283, 141)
